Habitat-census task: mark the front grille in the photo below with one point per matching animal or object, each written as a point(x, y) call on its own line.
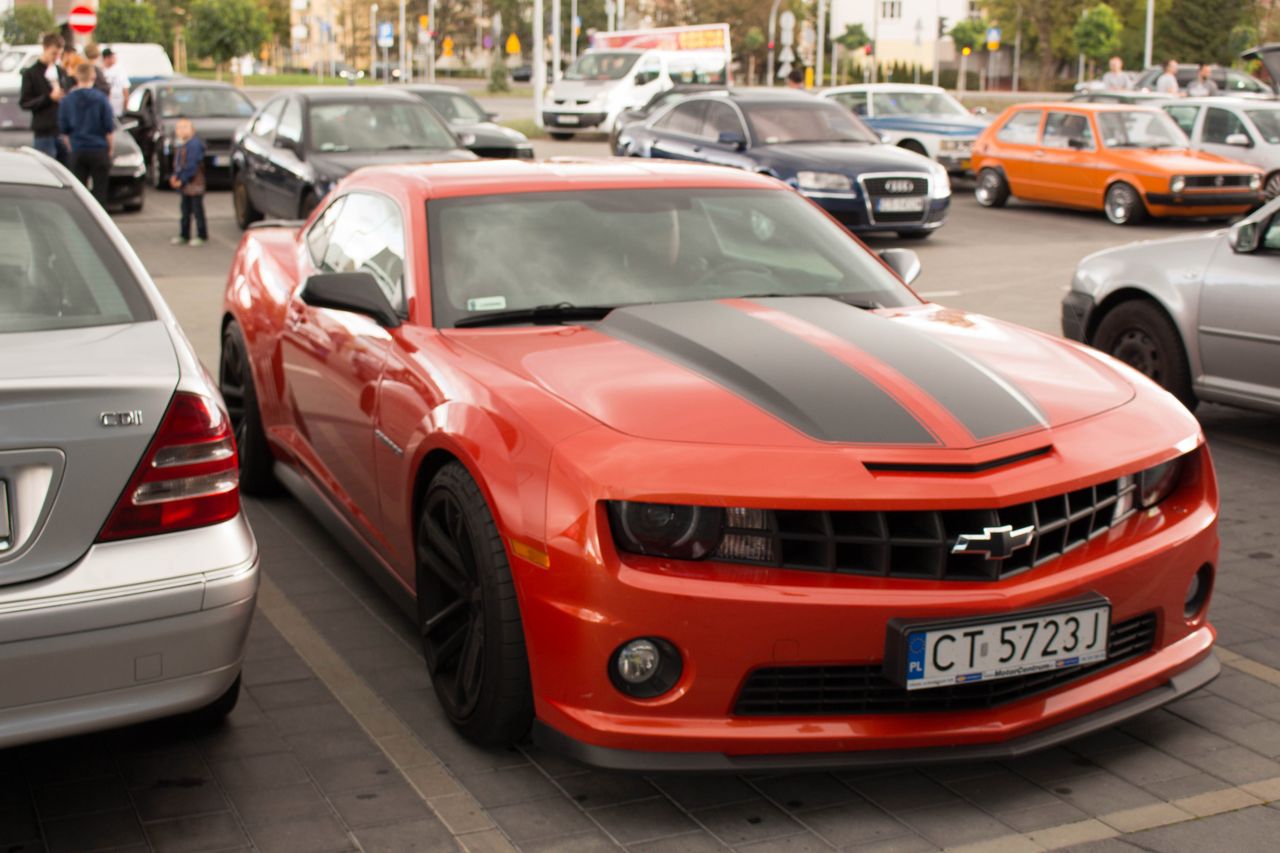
point(1216, 181)
point(878, 187)
point(918, 544)
point(841, 690)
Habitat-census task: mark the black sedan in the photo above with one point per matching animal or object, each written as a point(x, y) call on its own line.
point(661, 99)
point(217, 110)
point(476, 128)
point(128, 169)
point(816, 146)
point(300, 143)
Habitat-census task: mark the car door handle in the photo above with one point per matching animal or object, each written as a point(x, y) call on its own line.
point(697, 149)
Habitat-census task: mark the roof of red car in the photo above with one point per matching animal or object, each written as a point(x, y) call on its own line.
point(483, 177)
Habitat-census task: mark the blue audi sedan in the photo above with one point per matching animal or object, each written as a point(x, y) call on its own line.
point(815, 145)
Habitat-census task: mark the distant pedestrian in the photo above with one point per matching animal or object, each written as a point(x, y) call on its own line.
point(93, 55)
point(1167, 82)
point(1203, 86)
point(795, 80)
point(43, 86)
point(188, 179)
point(85, 118)
point(117, 79)
point(1115, 79)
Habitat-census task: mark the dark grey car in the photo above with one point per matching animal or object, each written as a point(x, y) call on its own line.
point(478, 129)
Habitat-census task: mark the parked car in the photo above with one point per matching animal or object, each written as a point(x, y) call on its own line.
point(216, 110)
point(300, 143)
point(1110, 96)
point(1238, 129)
point(477, 128)
point(923, 119)
point(657, 102)
point(1128, 161)
point(128, 168)
point(1198, 314)
point(666, 465)
point(816, 146)
point(1230, 81)
point(14, 60)
point(127, 570)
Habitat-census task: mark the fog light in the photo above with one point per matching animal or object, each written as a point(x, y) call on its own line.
point(645, 667)
point(1198, 591)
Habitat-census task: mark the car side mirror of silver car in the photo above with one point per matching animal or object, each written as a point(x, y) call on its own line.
point(1240, 140)
point(357, 292)
point(466, 140)
point(1243, 237)
point(904, 262)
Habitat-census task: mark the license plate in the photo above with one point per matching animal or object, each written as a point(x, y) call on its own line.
point(6, 527)
point(222, 160)
point(567, 120)
point(966, 651)
point(914, 204)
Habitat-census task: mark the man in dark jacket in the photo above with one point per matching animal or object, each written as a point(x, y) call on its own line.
point(43, 86)
point(85, 117)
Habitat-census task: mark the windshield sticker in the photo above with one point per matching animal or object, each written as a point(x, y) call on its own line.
point(487, 303)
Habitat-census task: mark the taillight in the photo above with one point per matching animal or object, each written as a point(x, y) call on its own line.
point(189, 476)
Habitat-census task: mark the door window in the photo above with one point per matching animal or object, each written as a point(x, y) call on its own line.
point(322, 230)
point(1021, 128)
point(265, 124)
point(1185, 116)
point(721, 118)
point(1220, 123)
point(684, 118)
point(368, 236)
point(855, 101)
point(290, 126)
point(1068, 130)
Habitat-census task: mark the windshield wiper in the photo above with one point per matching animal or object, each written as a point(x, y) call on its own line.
point(854, 301)
point(539, 316)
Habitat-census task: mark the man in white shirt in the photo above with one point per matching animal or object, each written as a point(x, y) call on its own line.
point(1203, 86)
point(1167, 82)
point(1115, 79)
point(118, 79)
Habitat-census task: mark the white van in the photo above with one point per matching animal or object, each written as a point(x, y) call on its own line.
point(141, 61)
point(603, 83)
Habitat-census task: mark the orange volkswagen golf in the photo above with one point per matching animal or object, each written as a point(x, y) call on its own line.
point(1128, 161)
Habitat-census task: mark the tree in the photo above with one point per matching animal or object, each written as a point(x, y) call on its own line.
point(1097, 33)
point(224, 29)
point(854, 37)
point(26, 24)
point(124, 20)
point(752, 43)
point(1200, 30)
point(970, 33)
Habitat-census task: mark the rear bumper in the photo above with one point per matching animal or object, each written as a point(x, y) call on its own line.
point(79, 653)
point(1077, 308)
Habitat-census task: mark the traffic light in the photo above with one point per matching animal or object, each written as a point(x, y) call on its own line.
point(770, 45)
point(966, 51)
point(942, 26)
point(867, 50)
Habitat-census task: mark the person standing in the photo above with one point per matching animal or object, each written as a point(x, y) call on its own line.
point(1167, 82)
point(188, 179)
point(1115, 80)
point(117, 79)
point(1203, 86)
point(43, 87)
point(85, 118)
point(92, 55)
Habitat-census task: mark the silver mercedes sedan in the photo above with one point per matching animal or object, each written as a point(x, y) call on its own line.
point(1200, 314)
point(128, 573)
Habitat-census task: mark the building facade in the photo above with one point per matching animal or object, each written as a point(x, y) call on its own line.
point(905, 30)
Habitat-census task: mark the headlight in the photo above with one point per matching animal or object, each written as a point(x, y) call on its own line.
point(824, 182)
point(132, 160)
point(940, 184)
point(666, 530)
point(955, 145)
point(1177, 184)
point(1158, 482)
point(1255, 183)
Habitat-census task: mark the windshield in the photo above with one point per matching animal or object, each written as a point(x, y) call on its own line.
point(193, 102)
point(627, 247)
point(601, 66)
point(58, 269)
point(1140, 129)
point(1268, 124)
point(916, 103)
point(12, 116)
point(805, 121)
point(376, 126)
point(454, 107)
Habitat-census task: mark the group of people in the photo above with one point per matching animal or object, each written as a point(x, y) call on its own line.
point(1203, 86)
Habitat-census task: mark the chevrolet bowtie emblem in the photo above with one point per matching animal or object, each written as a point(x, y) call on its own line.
point(996, 543)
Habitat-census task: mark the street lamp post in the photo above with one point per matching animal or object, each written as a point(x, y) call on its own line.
point(773, 33)
point(555, 40)
point(404, 42)
point(1146, 43)
point(539, 61)
point(822, 40)
point(373, 40)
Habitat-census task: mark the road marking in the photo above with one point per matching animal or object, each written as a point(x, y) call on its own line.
point(457, 809)
point(1257, 669)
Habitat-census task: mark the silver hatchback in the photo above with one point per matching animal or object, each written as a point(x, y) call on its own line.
point(128, 573)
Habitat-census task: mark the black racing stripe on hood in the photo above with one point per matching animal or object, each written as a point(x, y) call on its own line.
point(986, 404)
point(795, 381)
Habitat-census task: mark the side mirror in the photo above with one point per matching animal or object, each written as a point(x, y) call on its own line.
point(289, 145)
point(733, 139)
point(357, 292)
point(904, 262)
point(1238, 139)
point(1077, 143)
point(1243, 237)
point(490, 116)
point(644, 77)
point(128, 124)
point(979, 111)
point(466, 140)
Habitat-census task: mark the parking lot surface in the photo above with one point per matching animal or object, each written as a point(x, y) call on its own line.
point(338, 742)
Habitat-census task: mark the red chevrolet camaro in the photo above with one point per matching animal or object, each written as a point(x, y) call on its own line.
point(670, 468)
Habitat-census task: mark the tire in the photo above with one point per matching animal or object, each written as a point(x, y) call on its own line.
point(159, 179)
point(992, 189)
point(1271, 188)
point(1123, 205)
point(914, 235)
point(133, 206)
point(468, 615)
point(246, 214)
point(1140, 334)
point(913, 146)
point(560, 137)
point(235, 381)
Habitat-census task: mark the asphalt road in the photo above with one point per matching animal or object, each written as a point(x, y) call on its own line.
point(338, 744)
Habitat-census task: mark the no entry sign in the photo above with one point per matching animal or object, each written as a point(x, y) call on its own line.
point(82, 19)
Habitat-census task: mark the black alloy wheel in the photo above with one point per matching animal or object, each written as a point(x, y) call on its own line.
point(235, 381)
point(1142, 336)
point(468, 617)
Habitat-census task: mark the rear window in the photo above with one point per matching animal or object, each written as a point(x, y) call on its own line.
point(58, 268)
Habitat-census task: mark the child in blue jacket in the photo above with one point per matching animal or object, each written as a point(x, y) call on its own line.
point(188, 179)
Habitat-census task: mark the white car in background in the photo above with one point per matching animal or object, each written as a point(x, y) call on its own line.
point(1241, 129)
point(923, 119)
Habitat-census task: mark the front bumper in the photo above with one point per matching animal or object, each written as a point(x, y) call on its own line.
point(1077, 308)
point(136, 630)
point(567, 122)
point(126, 186)
point(1192, 204)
